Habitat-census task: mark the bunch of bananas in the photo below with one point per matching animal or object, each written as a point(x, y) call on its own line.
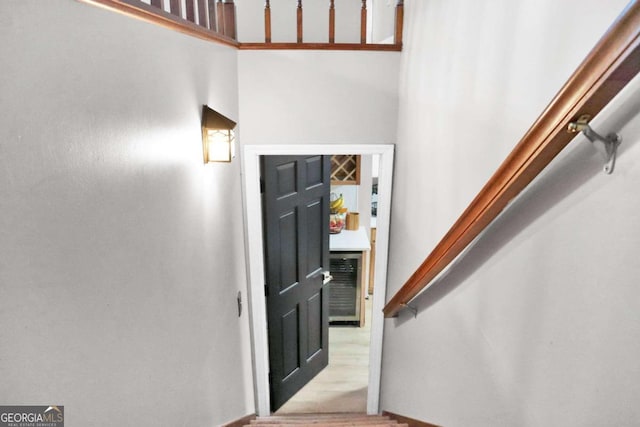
point(335, 203)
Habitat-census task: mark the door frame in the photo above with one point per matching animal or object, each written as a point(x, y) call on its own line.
point(255, 259)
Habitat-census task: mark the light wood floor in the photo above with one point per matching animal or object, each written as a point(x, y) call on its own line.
point(341, 386)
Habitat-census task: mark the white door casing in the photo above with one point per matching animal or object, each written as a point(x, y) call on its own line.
point(255, 259)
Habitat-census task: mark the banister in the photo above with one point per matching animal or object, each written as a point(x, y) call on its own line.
point(610, 65)
point(216, 21)
point(153, 14)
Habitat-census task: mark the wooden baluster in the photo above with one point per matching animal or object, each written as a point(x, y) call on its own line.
point(220, 16)
point(158, 3)
point(332, 22)
point(175, 7)
point(267, 22)
point(363, 23)
point(299, 19)
point(399, 22)
point(191, 11)
point(230, 19)
point(202, 13)
point(211, 4)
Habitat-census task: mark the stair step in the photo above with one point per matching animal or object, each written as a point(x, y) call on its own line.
point(340, 424)
point(319, 424)
point(314, 420)
point(329, 420)
point(323, 415)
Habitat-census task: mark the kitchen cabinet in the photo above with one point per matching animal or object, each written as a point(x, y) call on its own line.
point(345, 169)
point(347, 290)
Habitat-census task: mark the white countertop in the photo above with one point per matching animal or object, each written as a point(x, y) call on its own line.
point(350, 240)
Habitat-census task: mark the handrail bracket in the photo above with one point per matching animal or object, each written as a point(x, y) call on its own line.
point(412, 309)
point(606, 145)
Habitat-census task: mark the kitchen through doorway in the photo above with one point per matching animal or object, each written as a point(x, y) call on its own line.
point(253, 228)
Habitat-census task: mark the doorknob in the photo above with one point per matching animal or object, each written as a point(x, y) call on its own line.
point(326, 277)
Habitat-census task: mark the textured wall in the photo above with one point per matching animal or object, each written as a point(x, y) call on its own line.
point(121, 254)
point(298, 97)
point(537, 324)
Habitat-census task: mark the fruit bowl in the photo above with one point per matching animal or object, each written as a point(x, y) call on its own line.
point(336, 222)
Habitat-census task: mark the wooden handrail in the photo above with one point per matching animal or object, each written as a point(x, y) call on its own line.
point(153, 14)
point(610, 65)
point(216, 21)
point(321, 46)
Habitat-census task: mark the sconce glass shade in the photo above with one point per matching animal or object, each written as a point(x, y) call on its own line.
point(218, 138)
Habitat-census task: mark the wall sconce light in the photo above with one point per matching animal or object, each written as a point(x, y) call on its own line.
point(218, 139)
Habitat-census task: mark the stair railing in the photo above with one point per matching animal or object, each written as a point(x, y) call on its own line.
point(331, 44)
point(610, 65)
point(214, 20)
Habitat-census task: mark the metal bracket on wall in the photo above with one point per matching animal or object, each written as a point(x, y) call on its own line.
point(412, 309)
point(608, 145)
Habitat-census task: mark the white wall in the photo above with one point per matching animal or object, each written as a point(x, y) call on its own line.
point(538, 324)
point(121, 254)
point(383, 23)
point(298, 97)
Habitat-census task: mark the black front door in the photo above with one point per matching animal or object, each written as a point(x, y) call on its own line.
point(296, 227)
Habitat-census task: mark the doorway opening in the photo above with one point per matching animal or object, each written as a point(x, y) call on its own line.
point(254, 245)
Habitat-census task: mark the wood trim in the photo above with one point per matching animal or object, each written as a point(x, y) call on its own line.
point(211, 5)
point(345, 169)
point(320, 46)
point(220, 17)
point(332, 22)
point(299, 21)
point(411, 422)
point(267, 22)
point(202, 13)
point(399, 22)
point(610, 65)
point(241, 421)
point(175, 7)
point(145, 12)
point(229, 16)
point(224, 23)
point(363, 22)
point(191, 10)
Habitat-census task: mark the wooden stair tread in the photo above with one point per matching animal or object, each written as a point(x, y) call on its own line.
point(276, 420)
point(330, 420)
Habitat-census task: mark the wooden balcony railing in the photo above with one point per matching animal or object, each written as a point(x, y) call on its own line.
point(611, 64)
point(214, 21)
point(331, 31)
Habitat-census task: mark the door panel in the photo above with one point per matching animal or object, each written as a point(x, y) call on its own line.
point(296, 229)
point(315, 223)
point(287, 229)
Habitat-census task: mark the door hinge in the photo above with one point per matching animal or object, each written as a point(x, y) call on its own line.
point(261, 185)
point(266, 290)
